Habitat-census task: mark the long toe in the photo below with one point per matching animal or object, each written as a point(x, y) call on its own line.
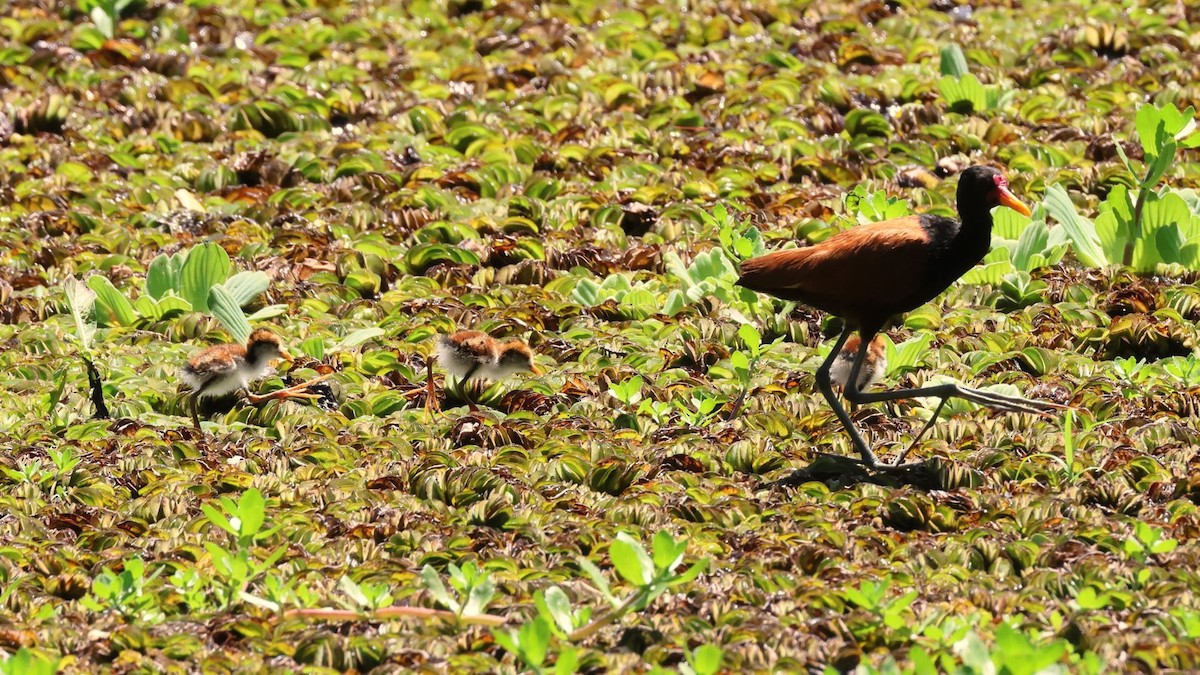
point(1008, 403)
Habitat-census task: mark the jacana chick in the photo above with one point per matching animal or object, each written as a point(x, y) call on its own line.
point(472, 354)
point(869, 273)
point(226, 368)
point(873, 369)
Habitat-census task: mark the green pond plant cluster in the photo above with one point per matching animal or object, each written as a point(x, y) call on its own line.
point(587, 175)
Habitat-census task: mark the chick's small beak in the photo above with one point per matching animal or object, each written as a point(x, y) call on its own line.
point(535, 370)
point(283, 354)
point(1010, 200)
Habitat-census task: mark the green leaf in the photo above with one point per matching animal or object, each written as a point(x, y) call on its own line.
point(689, 574)
point(989, 274)
point(953, 62)
point(353, 591)
point(172, 306)
point(1008, 224)
point(568, 661)
point(667, 553)
point(1034, 240)
point(251, 511)
point(206, 266)
point(1147, 124)
point(161, 276)
point(974, 653)
point(508, 640)
point(1160, 164)
point(1080, 231)
point(115, 307)
point(534, 637)
point(705, 659)
point(598, 580)
point(246, 286)
point(268, 312)
point(433, 584)
point(555, 604)
point(480, 595)
point(630, 559)
point(964, 94)
point(358, 337)
point(750, 337)
point(82, 302)
point(217, 518)
point(229, 313)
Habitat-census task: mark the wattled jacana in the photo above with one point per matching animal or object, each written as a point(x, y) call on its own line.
point(471, 354)
point(222, 369)
point(869, 273)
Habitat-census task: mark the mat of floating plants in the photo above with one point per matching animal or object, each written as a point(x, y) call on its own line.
point(655, 484)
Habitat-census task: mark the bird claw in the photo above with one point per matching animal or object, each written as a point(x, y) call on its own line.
point(295, 391)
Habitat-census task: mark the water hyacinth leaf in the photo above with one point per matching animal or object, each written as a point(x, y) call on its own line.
point(1114, 224)
point(865, 122)
point(357, 337)
point(1008, 224)
point(268, 312)
point(423, 256)
point(989, 274)
point(674, 303)
point(1033, 242)
point(908, 355)
point(162, 276)
point(227, 310)
point(965, 94)
point(246, 286)
point(112, 307)
point(206, 266)
point(586, 293)
point(1080, 230)
point(953, 61)
point(147, 308)
point(1166, 223)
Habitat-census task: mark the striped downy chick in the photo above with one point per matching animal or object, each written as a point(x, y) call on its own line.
point(873, 369)
point(467, 353)
point(224, 369)
point(471, 354)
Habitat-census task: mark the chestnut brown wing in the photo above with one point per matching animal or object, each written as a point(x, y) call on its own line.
point(218, 359)
point(476, 344)
point(870, 271)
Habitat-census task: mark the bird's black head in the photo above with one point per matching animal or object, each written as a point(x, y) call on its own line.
point(982, 188)
point(264, 345)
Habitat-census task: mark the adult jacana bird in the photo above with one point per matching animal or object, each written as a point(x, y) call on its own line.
point(870, 273)
point(472, 354)
point(226, 368)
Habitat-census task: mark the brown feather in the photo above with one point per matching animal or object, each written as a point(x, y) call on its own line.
point(475, 343)
point(864, 273)
point(216, 359)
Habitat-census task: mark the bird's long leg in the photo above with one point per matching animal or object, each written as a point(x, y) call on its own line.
point(431, 402)
point(928, 425)
point(825, 386)
point(945, 392)
point(294, 391)
point(195, 397)
point(463, 388)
